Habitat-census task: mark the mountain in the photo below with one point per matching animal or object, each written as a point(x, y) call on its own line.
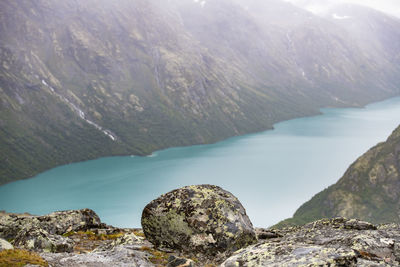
point(86, 79)
point(369, 189)
point(372, 31)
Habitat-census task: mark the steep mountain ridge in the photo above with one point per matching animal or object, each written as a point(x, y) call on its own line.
point(80, 80)
point(372, 31)
point(369, 189)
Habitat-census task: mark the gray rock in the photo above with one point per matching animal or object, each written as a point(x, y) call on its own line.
point(10, 225)
point(5, 245)
point(327, 242)
point(40, 240)
point(358, 225)
point(119, 256)
point(263, 233)
point(198, 219)
point(276, 254)
point(61, 222)
point(179, 262)
point(54, 223)
point(128, 240)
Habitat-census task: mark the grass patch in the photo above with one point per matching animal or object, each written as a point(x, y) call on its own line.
point(93, 236)
point(138, 233)
point(68, 234)
point(20, 257)
point(157, 257)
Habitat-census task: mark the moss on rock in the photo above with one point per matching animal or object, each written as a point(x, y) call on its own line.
point(201, 218)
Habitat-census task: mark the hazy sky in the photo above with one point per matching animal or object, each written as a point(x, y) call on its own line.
point(389, 6)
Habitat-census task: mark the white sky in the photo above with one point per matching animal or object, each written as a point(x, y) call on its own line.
point(389, 6)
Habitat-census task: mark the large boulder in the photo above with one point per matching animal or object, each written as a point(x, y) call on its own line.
point(198, 219)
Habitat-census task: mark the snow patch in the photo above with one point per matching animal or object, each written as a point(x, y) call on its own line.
point(82, 114)
point(336, 16)
point(48, 86)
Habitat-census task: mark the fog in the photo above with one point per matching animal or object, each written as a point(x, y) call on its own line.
point(391, 7)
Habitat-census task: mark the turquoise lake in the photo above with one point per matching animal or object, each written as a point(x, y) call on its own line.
point(272, 173)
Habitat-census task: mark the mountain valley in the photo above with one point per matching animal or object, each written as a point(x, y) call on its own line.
point(82, 80)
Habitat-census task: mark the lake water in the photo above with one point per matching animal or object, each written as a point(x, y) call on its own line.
point(272, 173)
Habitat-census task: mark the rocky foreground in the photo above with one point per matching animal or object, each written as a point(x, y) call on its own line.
point(193, 226)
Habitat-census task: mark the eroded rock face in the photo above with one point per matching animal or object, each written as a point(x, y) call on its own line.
point(296, 255)
point(56, 223)
point(40, 240)
point(198, 219)
point(61, 222)
point(44, 233)
point(128, 239)
point(327, 242)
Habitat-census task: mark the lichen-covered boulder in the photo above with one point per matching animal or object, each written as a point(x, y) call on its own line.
point(41, 241)
point(11, 224)
point(275, 254)
point(198, 219)
point(61, 222)
point(326, 242)
point(56, 223)
point(5, 245)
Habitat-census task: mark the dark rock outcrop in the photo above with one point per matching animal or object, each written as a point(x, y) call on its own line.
point(198, 219)
point(179, 262)
point(334, 242)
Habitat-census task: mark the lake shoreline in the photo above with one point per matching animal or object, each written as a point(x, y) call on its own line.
point(265, 129)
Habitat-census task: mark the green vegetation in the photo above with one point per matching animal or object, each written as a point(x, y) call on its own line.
point(368, 190)
point(89, 235)
point(19, 257)
point(159, 258)
point(139, 233)
point(157, 82)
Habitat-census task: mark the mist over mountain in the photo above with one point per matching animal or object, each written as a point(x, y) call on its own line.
point(390, 7)
point(85, 79)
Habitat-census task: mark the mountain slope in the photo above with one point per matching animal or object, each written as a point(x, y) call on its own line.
point(369, 189)
point(85, 79)
point(372, 30)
